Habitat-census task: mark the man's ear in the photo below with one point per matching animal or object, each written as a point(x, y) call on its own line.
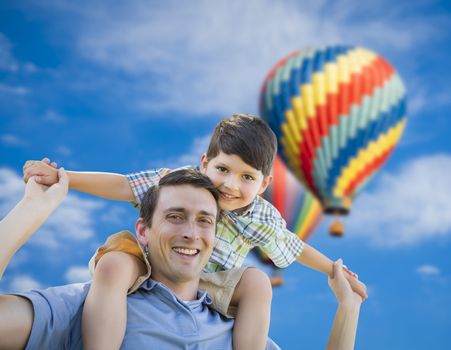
point(266, 182)
point(140, 229)
point(203, 163)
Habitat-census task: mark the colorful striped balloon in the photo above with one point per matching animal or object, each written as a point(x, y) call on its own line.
point(338, 112)
point(298, 207)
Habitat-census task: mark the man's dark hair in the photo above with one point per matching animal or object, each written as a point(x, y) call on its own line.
point(180, 177)
point(248, 137)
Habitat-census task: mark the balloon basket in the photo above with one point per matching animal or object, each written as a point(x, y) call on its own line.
point(336, 229)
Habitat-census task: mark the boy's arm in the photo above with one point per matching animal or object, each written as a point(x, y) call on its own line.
point(106, 185)
point(312, 258)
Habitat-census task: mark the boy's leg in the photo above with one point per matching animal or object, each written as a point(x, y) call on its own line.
point(252, 296)
point(105, 309)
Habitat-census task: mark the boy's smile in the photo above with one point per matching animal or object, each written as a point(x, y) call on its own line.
point(237, 182)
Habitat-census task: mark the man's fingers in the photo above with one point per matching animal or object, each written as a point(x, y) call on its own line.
point(45, 160)
point(53, 164)
point(63, 179)
point(338, 267)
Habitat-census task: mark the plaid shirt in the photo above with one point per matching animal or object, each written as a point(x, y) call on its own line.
point(261, 225)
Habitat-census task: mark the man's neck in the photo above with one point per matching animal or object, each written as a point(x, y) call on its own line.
point(183, 290)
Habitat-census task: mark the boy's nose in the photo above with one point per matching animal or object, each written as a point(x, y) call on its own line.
point(231, 183)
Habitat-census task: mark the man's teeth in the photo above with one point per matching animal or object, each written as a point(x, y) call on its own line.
point(185, 251)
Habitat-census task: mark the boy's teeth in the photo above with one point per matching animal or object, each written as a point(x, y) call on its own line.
point(185, 251)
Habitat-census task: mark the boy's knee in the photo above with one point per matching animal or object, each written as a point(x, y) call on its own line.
point(256, 283)
point(112, 266)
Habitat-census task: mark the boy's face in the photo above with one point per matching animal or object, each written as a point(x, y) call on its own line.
point(237, 182)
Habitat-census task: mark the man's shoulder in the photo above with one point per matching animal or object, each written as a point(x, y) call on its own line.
point(67, 298)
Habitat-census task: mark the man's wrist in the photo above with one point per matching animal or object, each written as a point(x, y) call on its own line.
point(36, 207)
point(351, 304)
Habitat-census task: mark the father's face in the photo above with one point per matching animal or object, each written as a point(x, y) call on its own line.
point(181, 238)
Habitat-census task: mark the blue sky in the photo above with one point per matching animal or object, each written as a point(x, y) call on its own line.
point(127, 85)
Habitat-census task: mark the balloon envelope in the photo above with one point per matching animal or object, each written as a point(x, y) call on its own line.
point(338, 112)
point(298, 207)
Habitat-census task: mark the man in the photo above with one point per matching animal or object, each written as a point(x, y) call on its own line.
point(168, 311)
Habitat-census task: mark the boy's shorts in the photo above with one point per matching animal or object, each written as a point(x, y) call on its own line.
point(220, 285)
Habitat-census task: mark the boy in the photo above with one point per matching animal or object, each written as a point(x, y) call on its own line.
point(238, 161)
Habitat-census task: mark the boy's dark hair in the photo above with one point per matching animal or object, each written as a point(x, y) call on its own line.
point(180, 177)
point(248, 137)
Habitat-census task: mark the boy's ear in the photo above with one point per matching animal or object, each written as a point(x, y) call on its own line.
point(140, 229)
point(203, 163)
point(266, 182)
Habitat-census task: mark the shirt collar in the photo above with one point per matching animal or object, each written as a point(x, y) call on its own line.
point(202, 296)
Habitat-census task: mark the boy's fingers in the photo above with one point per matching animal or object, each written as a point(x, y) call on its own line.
point(53, 164)
point(46, 160)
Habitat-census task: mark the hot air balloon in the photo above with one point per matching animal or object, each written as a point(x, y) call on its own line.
point(338, 113)
point(298, 207)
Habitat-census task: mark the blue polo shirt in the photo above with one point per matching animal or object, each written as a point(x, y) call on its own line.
point(156, 319)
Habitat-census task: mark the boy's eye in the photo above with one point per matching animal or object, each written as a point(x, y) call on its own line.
point(248, 178)
point(221, 169)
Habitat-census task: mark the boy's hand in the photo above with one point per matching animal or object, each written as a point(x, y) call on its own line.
point(51, 196)
point(340, 286)
point(44, 172)
point(357, 286)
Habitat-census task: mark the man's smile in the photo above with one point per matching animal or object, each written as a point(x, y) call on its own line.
point(186, 251)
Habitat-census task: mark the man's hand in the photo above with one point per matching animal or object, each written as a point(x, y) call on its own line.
point(357, 286)
point(52, 196)
point(45, 173)
point(341, 286)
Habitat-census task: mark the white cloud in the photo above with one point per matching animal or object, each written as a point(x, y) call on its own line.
point(7, 61)
point(428, 270)
point(77, 274)
point(211, 57)
point(63, 150)
point(73, 221)
point(54, 117)
point(114, 214)
point(192, 157)
point(14, 90)
point(407, 207)
point(24, 283)
point(11, 140)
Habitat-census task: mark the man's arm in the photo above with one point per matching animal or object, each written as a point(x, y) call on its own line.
point(38, 202)
point(16, 320)
point(106, 185)
point(342, 336)
point(28, 215)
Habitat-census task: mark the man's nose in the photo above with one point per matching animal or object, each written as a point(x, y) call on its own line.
point(191, 230)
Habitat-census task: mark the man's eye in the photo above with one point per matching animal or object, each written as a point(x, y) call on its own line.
point(207, 221)
point(175, 217)
point(221, 169)
point(248, 178)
